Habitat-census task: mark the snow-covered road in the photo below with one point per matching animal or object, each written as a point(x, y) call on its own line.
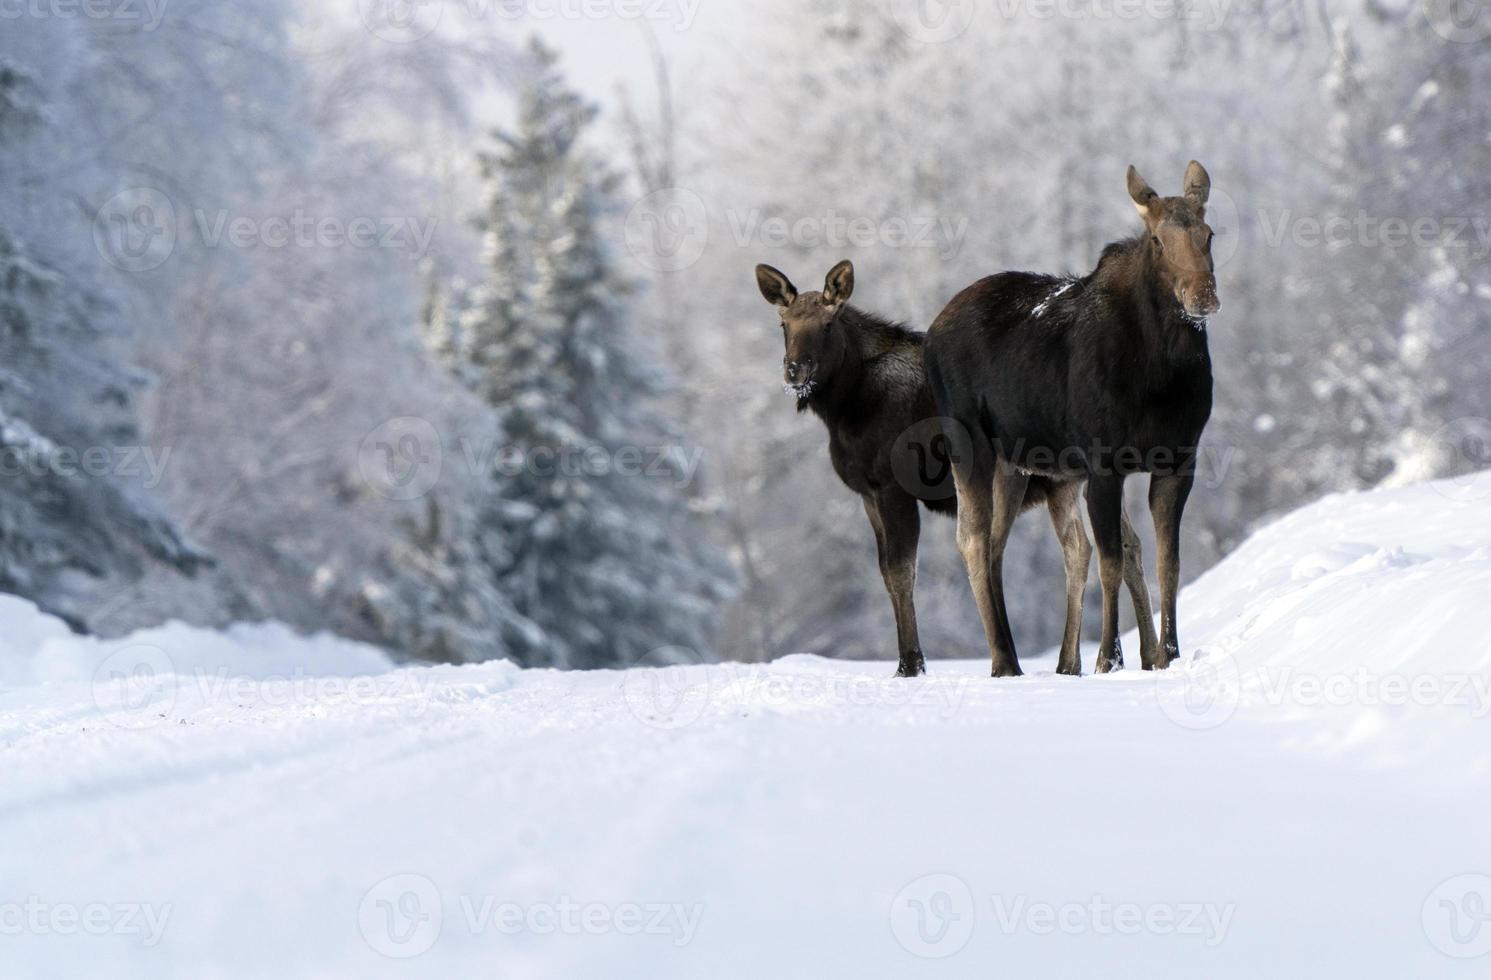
point(1308, 796)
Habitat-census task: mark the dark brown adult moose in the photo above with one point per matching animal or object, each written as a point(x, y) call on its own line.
point(1090, 379)
point(864, 377)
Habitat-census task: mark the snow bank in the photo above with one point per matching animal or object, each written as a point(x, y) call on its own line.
point(1277, 806)
point(36, 648)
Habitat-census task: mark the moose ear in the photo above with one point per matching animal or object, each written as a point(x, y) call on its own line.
point(839, 285)
point(777, 288)
point(1141, 193)
point(1198, 184)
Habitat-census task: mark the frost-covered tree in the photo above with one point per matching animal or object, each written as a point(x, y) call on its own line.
point(588, 532)
point(76, 514)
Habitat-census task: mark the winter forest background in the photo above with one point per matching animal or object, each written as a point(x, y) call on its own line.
point(381, 318)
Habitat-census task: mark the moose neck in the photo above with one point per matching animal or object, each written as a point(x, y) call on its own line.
point(1132, 270)
point(839, 390)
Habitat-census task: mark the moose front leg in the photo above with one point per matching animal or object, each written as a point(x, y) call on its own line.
point(1133, 577)
point(1105, 509)
point(1167, 502)
point(897, 525)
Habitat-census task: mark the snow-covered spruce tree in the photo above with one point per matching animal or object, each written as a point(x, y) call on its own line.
point(585, 534)
point(74, 522)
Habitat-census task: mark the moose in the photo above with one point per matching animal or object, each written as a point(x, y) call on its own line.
point(864, 377)
point(1093, 379)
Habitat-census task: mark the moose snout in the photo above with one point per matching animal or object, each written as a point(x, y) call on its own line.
point(798, 372)
point(1200, 299)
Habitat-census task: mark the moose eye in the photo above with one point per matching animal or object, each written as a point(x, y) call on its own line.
point(1156, 240)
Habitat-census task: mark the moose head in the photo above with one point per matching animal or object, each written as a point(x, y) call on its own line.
point(1180, 239)
point(810, 330)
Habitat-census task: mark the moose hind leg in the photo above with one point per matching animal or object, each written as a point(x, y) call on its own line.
point(1008, 497)
point(1105, 509)
point(1133, 579)
point(897, 526)
point(975, 502)
point(1076, 553)
point(1167, 502)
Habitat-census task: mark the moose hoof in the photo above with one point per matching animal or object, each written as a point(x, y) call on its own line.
point(912, 665)
point(1007, 670)
point(1107, 665)
point(1069, 670)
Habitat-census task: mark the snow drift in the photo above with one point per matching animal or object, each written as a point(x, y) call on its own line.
point(1305, 794)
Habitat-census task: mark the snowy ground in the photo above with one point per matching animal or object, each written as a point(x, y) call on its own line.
point(1308, 797)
